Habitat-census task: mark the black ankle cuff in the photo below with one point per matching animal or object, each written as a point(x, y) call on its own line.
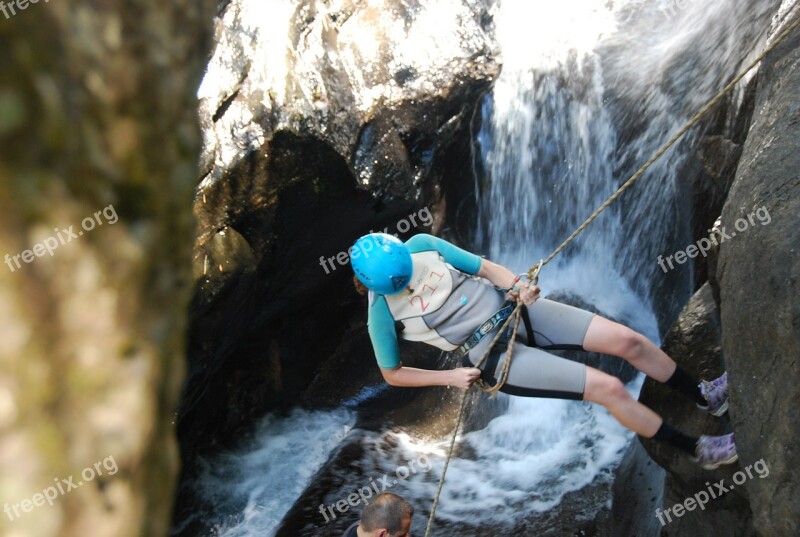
point(673, 437)
point(684, 383)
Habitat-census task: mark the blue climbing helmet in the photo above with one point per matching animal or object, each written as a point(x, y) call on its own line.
point(382, 263)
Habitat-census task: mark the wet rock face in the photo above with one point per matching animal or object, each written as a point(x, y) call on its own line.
point(713, 168)
point(98, 121)
point(322, 121)
point(758, 273)
point(694, 342)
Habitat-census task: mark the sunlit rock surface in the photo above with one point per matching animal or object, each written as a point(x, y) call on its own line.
point(352, 74)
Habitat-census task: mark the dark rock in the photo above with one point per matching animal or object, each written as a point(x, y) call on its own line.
point(758, 274)
point(694, 342)
point(638, 490)
point(713, 166)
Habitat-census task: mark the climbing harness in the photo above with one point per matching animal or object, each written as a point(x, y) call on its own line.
point(485, 328)
point(533, 272)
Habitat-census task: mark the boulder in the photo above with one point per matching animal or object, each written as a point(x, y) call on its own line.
point(758, 273)
point(694, 342)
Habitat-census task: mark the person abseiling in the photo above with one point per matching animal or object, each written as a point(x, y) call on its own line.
point(387, 515)
point(454, 300)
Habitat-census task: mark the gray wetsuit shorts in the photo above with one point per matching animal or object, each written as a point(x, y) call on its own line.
point(535, 372)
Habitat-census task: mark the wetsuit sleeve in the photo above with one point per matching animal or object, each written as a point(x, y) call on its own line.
point(380, 324)
point(459, 258)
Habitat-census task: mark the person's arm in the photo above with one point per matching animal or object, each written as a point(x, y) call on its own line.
point(470, 263)
point(461, 377)
point(458, 257)
point(501, 277)
point(387, 352)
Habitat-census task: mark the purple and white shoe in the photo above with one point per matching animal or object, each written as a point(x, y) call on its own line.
point(713, 451)
point(715, 393)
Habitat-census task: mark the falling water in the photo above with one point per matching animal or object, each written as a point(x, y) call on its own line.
point(589, 91)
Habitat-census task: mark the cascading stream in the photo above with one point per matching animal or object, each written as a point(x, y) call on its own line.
point(565, 126)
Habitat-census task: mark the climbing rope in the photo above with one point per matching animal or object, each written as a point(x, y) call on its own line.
point(491, 390)
point(703, 111)
point(533, 272)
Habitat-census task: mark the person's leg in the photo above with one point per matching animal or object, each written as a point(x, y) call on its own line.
point(536, 373)
point(609, 391)
point(608, 337)
point(559, 326)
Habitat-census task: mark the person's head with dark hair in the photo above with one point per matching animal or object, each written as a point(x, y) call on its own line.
point(361, 289)
point(387, 515)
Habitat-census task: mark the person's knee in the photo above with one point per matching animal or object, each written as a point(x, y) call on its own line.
point(630, 343)
point(616, 390)
point(606, 389)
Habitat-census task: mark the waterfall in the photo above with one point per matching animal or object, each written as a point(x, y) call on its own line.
point(589, 91)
